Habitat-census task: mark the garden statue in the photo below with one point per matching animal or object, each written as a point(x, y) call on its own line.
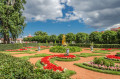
point(67, 52)
point(38, 48)
point(91, 47)
point(64, 41)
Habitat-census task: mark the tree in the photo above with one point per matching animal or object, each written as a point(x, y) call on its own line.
point(60, 38)
point(109, 37)
point(118, 36)
point(40, 33)
point(82, 37)
point(95, 37)
point(53, 38)
point(70, 37)
point(11, 19)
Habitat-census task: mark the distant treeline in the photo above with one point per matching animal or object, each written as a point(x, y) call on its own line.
point(106, 37)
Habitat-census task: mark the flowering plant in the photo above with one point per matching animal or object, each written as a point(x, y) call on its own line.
point(49, 65)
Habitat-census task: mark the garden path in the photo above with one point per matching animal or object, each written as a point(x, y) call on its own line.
point(81, 73)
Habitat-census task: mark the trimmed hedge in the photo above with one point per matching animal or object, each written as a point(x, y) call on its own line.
point(97, 45)
point(61, 49)
point(10, 46)
point(19, 46)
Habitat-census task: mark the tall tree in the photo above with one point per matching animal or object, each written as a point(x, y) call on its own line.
point(82, 37)
point(95, 37)
point(11, 19)
point(53, 38)
point(109, 37)
point(70, 37)
point(40, 33)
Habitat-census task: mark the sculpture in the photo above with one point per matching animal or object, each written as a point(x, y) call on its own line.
point(64, 41)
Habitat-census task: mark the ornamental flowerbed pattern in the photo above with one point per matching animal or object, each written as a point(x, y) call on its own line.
point(99, 66)
point(109, 48)
point(49, 65)
point(17, 50)
point(113, 57)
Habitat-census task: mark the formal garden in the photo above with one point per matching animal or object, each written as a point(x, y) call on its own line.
point(64, 56)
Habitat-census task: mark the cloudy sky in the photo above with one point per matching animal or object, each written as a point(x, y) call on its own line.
point(64, 16)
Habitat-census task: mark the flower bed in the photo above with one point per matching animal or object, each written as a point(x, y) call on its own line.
point(49, 65)
point(17, 50)
point(113, 57)
point(109, 48)
point(99, 66)
point(44, 46)
point(28, 47)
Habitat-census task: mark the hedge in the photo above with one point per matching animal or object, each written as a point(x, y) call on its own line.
point(97, 45)
point(10, 46)
point(19, 46)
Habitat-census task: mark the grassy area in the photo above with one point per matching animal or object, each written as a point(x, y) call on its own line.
point(88, 55)
point(101, 51)
point(36, 55)
point(62, 59)
point(98, 70)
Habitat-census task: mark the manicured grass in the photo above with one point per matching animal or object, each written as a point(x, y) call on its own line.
point(36, 55)
point(88, 55)
point(98, 70)
point(38, 64)
point(101, 51)
point(62, 59)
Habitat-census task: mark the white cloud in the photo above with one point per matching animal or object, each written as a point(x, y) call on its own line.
point(42, 10)
point(95, 13)
point(114, 26)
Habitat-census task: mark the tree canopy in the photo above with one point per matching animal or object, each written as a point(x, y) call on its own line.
point(11, 19)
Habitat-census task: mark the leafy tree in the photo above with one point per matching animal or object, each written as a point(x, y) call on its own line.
point(40, 33)
point(60, 38)
point(70, 37)
point(82, 37)
point(109, 37)
point(95, 37)
point(118, 36)
point(11, 19)
point(53, 38)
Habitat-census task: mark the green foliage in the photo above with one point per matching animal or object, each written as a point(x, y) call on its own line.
point(12, 20)
point(63, 59)
point(34, 56)
point(88, 55)
point(101, 51)
point(97, 45)
point(61, 49)
point(102, 61)
point(40, 33)
point(109, 37)
point(14, 68)
point(82, 37)
point(70, 37)
point(60, 38)
point(53, 38)
point(97, 70)
point(95, 37)
point(10, 46)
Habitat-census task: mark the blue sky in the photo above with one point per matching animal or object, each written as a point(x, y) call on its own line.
point(64, 16)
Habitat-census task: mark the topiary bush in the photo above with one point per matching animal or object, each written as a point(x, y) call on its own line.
point(61, 49)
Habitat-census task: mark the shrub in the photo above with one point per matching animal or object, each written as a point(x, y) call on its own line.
point(61, 49)
point(102, 61)
point(14, 68)
point(97, 45)
point(10, 46)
